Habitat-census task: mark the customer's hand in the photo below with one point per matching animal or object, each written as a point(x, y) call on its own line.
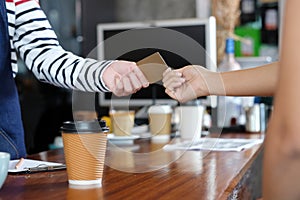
point(189, 82)
point(124, 78)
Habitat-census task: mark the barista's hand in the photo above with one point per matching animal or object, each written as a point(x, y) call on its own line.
point(188, 82)
point(124, 78)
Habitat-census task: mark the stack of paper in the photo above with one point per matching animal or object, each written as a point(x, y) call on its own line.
point(29, 166)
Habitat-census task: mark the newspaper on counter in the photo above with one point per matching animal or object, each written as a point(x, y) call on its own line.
point(214, 144)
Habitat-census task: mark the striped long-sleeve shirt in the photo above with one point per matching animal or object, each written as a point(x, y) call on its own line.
point(32, 37)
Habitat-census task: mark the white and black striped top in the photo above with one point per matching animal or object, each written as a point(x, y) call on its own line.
point(32, 37)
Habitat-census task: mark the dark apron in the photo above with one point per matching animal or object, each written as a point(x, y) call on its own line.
point(11, 127)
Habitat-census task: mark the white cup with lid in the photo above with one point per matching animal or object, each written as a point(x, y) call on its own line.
point(160, 117)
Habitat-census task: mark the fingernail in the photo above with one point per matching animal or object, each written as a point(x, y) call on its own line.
point(179, 74)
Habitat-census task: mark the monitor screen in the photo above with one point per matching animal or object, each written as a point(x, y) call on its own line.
point(180, 43)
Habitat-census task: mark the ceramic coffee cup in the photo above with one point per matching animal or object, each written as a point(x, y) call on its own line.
point(190, 121)
point(4, 162)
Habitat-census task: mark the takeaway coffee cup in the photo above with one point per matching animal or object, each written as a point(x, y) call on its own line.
point(84, 147)
point(4, 162)
point(190, 121)
point(122, 122)
point(160, 121)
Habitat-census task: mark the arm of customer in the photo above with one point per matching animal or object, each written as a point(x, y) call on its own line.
point(193, 81)
point(281, 177)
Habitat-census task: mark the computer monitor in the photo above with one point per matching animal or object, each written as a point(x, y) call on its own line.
point(180, 42)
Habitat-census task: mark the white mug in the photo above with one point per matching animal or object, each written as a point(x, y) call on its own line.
point(190, 121)
point(4, 162)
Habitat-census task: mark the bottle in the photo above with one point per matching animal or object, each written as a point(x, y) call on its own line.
point(270, 23)
point(248, 11)
point(229, 108)
point(229, 62)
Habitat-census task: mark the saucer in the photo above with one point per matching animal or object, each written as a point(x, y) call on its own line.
point(113, 137)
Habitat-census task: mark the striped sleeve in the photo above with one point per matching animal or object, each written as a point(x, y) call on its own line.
point(37, 44)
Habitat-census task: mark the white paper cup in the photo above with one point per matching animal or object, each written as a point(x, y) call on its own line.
point(160, 117)
point(122, 122)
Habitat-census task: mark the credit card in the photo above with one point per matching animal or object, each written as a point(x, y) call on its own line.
point(153, 67)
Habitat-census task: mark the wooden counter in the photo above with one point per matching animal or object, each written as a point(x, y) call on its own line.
point(194, 175)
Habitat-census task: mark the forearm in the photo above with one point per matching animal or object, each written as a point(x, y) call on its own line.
point(259, 81)
point(282, 150)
